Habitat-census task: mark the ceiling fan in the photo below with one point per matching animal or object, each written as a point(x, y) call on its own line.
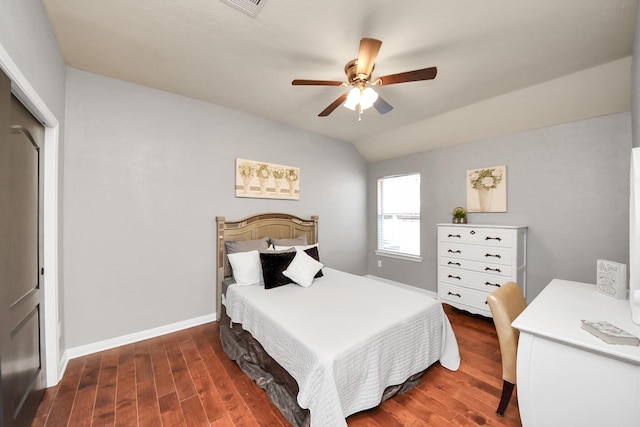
point(358, 71)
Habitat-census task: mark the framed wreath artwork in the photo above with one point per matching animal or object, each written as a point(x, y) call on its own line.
point(487, 189)
point(267, 180)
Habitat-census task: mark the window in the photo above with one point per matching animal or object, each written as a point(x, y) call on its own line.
point(399, 216)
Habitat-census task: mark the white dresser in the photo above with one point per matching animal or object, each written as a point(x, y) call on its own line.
point(474, 260)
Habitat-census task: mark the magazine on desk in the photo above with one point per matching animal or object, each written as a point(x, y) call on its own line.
point(609, 333)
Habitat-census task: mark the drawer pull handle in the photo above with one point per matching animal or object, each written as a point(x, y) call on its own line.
point(496, 256)
point(454, 235)
point(497, 270)
point(493, 238)
point(454, 263)
point(455, 295)
point(453, 277)
point(453, 252)
point(492, 284)
point(472, 232)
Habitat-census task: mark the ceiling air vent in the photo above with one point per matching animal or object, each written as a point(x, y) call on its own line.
point(250, 7)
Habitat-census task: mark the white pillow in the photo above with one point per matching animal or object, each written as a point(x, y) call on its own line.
point(301, 247)
point(302, 269)
point(247, 268)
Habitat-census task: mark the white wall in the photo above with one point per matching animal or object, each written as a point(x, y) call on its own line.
point(568, 183)
point(146, 173)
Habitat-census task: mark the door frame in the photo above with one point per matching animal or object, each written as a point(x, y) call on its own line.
point(22, 89)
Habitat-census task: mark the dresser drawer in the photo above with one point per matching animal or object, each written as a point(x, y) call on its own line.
point(464, 298)
point(477, 266)
point(494, 255)
point(478, 236)
point(468, 279)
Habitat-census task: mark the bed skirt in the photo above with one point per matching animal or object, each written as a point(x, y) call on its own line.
point(279, 385)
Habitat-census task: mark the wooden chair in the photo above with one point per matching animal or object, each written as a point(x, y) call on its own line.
point(506, 303)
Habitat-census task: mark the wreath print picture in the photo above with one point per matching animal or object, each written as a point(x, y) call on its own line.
point(487, 189)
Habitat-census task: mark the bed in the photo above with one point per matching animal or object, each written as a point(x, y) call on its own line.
point(327, 347)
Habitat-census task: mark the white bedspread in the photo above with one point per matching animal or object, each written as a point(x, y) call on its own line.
point(341, 339)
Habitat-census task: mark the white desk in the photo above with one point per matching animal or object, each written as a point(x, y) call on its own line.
point(568, 377)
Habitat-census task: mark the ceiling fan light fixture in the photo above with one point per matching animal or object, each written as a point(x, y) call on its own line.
point(364, 97)
point(353, 99)
point(367, 98)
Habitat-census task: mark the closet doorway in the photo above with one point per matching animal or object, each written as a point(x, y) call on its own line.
point(22, 373)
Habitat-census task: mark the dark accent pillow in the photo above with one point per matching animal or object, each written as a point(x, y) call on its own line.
point(273, 264)
point(298, 241)
point(246, 245)
point(313, 253)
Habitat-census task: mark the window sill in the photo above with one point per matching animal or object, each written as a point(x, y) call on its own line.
point(407, 257)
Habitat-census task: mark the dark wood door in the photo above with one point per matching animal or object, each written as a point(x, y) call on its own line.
point(22, 378)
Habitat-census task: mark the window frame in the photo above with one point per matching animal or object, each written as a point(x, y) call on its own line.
point(379, 214)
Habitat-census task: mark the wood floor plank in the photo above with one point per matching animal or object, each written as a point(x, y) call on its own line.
point(223, 422)
point(45, 406)
point(179, 369)
point(148, 408)
point(457, 406)
point(126, 397)
point(400, 413)
point(385, 418)
point(234, 403)
point(161, 369)
point(171, 411)
point(186, 379)
point(205, 388)
point(193, 412)
point(142, 357)
point(67, 389)
point(82, 412)
point(104, 413)
point(363, 419)
point(422, 402)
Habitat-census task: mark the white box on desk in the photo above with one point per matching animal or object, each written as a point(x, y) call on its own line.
point(611, 278)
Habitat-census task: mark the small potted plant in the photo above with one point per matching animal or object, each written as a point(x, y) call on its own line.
point(459, 215)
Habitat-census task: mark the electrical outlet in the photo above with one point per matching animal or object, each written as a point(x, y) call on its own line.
point(379, 263)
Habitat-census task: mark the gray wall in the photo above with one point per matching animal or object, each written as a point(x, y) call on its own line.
point(635, 84)
point(146, 173)
point(26, 35)
point(569, 184)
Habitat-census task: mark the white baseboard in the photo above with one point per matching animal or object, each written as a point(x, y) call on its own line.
point(83, 350)
point(62, 367)
point(404, 285)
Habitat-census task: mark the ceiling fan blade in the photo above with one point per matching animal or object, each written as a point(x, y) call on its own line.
point(369, 49)
point(408, 76)
point(335, 104)
point(382, 106)
point(299, 82)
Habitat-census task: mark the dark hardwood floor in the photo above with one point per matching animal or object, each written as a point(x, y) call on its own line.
point(185, 379)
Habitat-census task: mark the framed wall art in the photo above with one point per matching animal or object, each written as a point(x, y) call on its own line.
point(267, 180)
point(487, 189)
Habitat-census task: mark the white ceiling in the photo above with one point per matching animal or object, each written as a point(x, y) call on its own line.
point(487, 52)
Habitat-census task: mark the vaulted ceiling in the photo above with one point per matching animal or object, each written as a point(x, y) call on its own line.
point(503, 65)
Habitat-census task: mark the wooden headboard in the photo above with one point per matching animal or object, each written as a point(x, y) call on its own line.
point(275, 225)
